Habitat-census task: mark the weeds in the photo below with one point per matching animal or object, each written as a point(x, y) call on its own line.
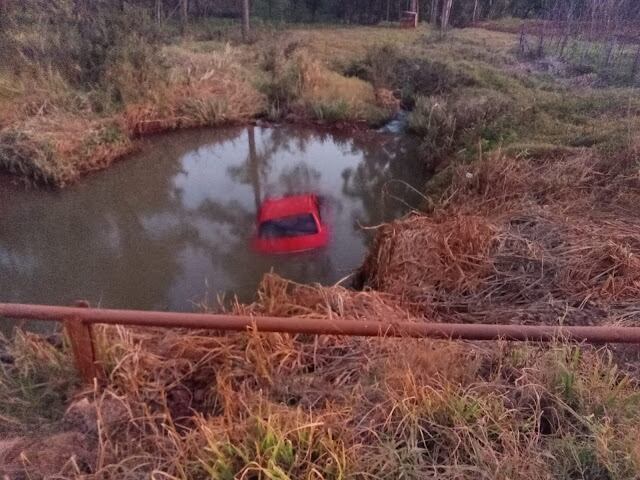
point(20, 155)
point(36, 385)
point(331, 112)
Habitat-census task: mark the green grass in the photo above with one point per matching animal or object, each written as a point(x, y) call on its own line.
point(485, 99)
point(331, 112)
point(36, 387)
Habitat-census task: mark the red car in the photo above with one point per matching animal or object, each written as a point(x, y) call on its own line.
point(290, 224)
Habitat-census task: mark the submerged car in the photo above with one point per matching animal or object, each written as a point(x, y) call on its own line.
point(290, 224)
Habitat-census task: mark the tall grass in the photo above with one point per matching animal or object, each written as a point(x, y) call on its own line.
point(277, 406)
point(37, 381)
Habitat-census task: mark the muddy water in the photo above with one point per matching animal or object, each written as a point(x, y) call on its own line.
point(170, 227)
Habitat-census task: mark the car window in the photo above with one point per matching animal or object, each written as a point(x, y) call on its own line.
point(294, 226)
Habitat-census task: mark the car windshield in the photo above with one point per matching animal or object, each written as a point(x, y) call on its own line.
point(294, 226)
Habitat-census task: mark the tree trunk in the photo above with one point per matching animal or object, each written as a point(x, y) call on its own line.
point(184, 14)
point(415, 6)
point(246, 28)
point(158, 11)
point(636, 66)
point(254, 164)
point(4, 12)
point(435, 4)
point(474, 19)
point(446, 11)
point(388, 10)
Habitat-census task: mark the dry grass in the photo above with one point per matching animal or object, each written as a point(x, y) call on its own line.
point(202, 405)
point(486, 99)
point(202, 89)
point(515, 240)
point(210, 101)
point(49, 129)
point(56, 149)
point(36, 383)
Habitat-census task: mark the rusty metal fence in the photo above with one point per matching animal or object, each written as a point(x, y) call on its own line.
point(78, 323)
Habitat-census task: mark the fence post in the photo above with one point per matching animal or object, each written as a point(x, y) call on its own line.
point(80, 337)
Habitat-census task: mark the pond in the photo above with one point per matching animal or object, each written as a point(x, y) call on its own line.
point(171, 227)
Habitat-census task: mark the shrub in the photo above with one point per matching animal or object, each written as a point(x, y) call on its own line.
point(285, 75)
point(433, 120)
point(385, 66)
point(464, 120)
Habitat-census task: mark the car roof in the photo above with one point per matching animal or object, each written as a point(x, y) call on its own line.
point(273, 208)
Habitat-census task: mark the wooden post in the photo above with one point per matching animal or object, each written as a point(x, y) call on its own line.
point(80, 337)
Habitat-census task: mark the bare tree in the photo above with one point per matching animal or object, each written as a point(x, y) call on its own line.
point(474, 18)
point(184, 14)
point(435, 4)
point(635, 67)
point(158, 11)
point(254, 167)
point(446, 12)
point(246, 28)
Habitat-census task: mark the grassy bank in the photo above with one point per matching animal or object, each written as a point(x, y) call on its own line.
point(531, 219)
point(63, 113)
point(467, 93)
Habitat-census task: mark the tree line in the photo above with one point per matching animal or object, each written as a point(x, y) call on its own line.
point(459, 12)
point(452, 12)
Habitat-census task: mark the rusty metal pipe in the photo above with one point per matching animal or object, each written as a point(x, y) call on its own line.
point(362, 328)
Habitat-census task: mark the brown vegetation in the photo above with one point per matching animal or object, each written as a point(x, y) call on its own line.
point(282, 406)
point(521, 241)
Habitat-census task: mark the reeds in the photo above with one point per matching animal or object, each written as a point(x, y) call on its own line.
point(520, 241)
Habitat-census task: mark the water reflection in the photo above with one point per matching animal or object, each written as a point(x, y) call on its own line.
point(172, 225)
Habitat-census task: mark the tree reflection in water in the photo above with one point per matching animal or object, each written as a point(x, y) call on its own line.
point(174, 223)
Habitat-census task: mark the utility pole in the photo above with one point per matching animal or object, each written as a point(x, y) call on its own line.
point(246, 28)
